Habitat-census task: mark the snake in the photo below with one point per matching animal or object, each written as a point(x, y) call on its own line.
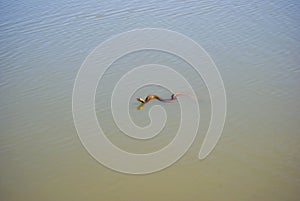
point(155, 97)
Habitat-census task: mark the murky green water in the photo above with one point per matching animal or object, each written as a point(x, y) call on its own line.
point(256, 48)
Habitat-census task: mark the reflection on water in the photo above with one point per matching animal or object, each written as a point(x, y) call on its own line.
point(254, 44)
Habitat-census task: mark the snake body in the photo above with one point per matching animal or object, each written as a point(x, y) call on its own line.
point(151, 97)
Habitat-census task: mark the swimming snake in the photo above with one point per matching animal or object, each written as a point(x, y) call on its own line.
point(151, 97)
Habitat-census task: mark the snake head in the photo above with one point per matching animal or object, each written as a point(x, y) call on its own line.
point(141, 100)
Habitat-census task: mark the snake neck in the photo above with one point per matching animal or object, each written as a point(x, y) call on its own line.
point(150, 97)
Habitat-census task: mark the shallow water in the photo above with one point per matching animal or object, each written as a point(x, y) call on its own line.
point(256, 48)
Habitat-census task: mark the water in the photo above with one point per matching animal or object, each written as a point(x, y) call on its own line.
point(255, 46)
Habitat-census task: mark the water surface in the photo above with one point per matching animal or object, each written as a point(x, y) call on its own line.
point(256, 48)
